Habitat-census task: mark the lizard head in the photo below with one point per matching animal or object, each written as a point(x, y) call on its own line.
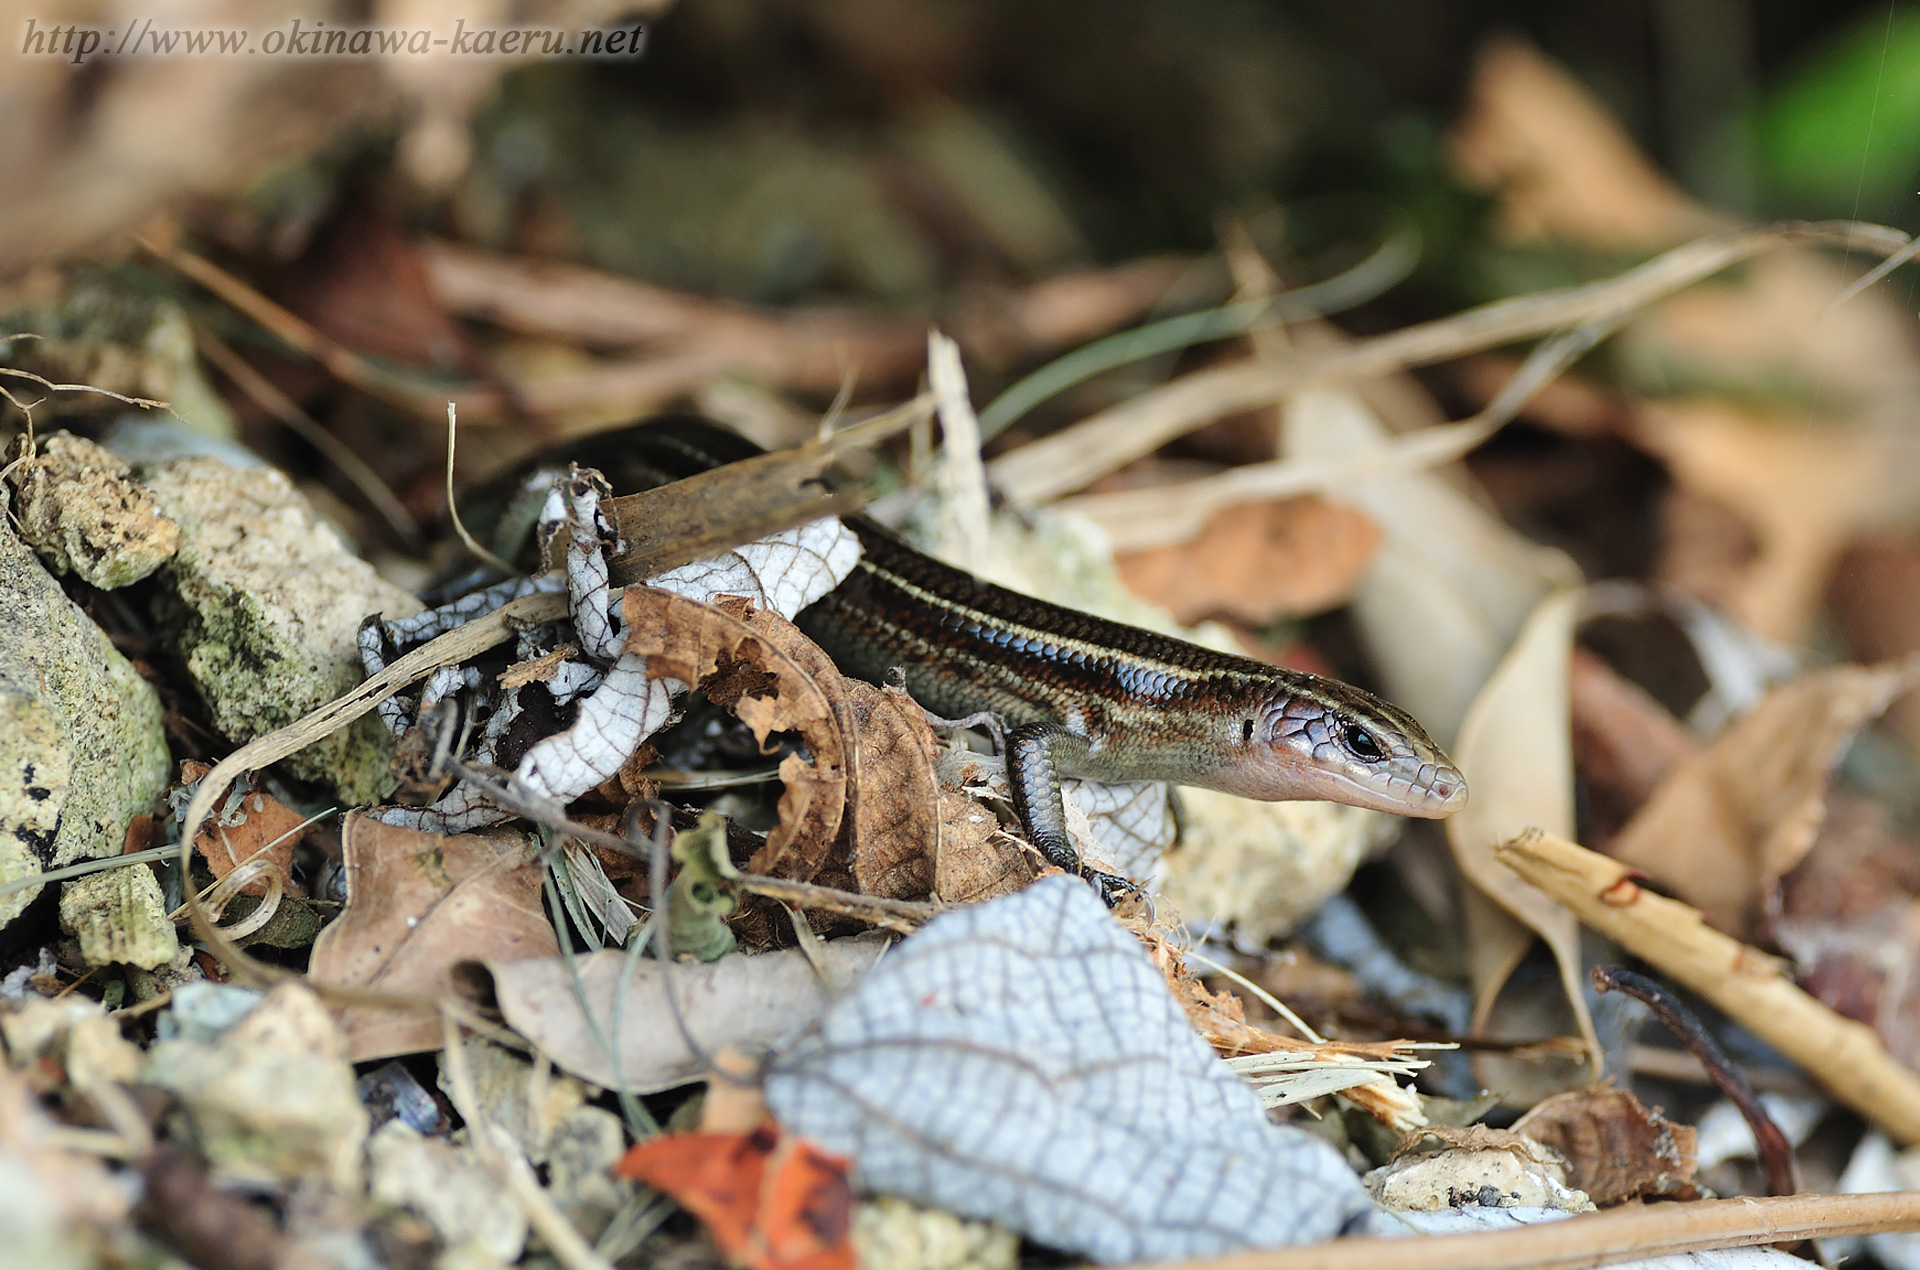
point(1320, 739)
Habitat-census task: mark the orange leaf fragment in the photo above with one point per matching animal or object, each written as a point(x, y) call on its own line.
point(772, 1201)
point(266, 832)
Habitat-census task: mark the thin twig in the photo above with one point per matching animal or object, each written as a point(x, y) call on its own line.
point(1776, 1153)
point(268, 397)
point(905, 916)
point(1845, 1056)
point(453, 507)
point(1596, 1239)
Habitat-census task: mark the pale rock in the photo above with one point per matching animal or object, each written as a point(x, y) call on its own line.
point(119, 915)
point(263, 603)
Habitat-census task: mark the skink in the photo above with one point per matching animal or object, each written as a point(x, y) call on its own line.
point(1080, 696)
point(1085, 697)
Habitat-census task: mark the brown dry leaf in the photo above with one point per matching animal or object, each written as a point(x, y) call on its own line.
point(417, 903)
point(1516, 751)
point(265, 820)
point(897, 819)
point(976, 862)
point(1615, 1148)
point(775, 679)
point(1802, 491)
point(1561, 165)
point(1730, 820)
point(1259, 562)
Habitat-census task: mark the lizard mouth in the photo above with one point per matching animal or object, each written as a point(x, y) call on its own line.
point(1426, 791)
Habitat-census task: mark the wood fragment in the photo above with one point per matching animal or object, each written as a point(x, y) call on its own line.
point(710, 512)
point(1845, 1057)
point(1596, 1239)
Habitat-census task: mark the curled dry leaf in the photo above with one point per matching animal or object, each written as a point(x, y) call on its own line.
point(771, 1201)
point(1516, 750)
point(1730, 820)
point(1259, 562)
point(417, 903)
point(897, 816)
point(1616, 1149)
point(775, 679)
point(869, 799)
point(740, 1000)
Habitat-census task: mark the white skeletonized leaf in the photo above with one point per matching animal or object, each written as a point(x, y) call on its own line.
point(623, 711)
point(1132, 823)
point(783, 572)
point(1022, 1062)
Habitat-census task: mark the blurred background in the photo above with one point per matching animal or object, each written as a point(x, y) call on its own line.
point(763, 213)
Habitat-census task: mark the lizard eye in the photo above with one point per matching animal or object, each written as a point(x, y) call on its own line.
point(1362, 742)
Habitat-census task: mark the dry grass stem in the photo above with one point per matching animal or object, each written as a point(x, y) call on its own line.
point(1137, 519)
point(1074, 457)
point(264, 394)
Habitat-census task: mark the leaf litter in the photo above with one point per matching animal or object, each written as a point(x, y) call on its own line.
point(1020, 1059)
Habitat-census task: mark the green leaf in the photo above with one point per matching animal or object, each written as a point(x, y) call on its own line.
point(1827, 139)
